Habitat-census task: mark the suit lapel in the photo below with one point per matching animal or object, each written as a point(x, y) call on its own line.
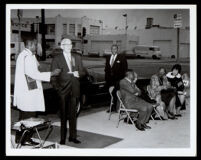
point(115, 61)
point(64, 63)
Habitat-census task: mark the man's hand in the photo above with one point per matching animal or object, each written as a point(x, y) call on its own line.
point(75, 74)
point(56, 72)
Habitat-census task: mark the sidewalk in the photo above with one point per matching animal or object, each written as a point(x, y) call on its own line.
point(164, 134)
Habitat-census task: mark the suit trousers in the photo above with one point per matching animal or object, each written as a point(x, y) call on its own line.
point(144, 112)
point(114, 94)
point(68, 111)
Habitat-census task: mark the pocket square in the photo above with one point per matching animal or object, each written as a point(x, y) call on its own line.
point(118, 61)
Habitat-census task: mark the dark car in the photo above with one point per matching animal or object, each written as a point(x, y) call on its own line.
point(92, 87)
point(93, 54)
point(129, 54)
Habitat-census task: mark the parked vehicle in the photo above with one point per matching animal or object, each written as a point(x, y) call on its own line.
point(107, 52)
point(50, 53)
point(77, 50)
point(129, 54)
point(14, 48)
point(93, 54)
point(147, 51)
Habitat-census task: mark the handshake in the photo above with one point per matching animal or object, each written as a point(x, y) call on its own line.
point(75, 74)
point(56, 72)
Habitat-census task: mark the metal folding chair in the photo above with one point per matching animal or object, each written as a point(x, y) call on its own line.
point(111, 101)
point(155, 112)
point(45, 125)
point(123, 112)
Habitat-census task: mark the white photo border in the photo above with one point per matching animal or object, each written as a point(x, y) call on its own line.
point(191, 151)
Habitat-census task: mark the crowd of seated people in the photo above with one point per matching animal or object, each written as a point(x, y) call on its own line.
point(168, 90)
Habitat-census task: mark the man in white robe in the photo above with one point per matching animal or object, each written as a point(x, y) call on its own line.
point(28, 91)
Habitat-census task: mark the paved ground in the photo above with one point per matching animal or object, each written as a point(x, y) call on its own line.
point(164, 134)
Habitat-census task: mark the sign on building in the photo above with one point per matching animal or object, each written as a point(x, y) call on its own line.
point(23, 26)
point(177, 20)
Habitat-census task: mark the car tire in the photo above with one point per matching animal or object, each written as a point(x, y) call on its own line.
point(173, 56)
point(154, 57)
point(138, 56)
point(83, 100)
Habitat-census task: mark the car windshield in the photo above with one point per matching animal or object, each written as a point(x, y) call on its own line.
point(97, 72)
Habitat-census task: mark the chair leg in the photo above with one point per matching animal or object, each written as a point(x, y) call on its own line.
point(157, 113)
point(119, 117)
point(110, 113)
point(20, 141)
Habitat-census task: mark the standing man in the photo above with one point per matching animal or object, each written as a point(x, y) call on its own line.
point(67, 86)
point(115, 68)
point(28, 91)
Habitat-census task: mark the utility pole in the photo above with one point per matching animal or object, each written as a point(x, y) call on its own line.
point(19, 14)
point(178, 25)
point(43, 34)
point(178, 41)
point(126, 27)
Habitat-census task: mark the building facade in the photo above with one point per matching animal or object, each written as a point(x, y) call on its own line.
point(99, 39)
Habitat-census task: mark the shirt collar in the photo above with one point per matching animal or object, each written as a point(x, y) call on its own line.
point(28, 51)
point(128, 79)
point(114, 55)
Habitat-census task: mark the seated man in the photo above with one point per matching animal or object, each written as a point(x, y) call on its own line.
point(130, 97)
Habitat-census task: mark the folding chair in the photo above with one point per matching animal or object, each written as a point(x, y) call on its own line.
point(123, 112)
point(111, 101)
point(45, 125)
point(154, 106)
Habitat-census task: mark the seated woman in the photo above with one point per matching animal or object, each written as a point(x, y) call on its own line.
point(175, 79)
point(161, 91)
point(186, 81)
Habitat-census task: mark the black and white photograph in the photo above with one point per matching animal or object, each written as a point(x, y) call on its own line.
point(101, 80)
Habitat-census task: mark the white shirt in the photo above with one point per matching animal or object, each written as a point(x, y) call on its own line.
point(68, 59)
point(112, 56)
point(128, 80)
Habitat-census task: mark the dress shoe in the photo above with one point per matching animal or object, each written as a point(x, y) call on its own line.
point(62, 142)
point(146, 126)
point(172, 117)
point(30, 142)
point(74, 140)
point(139, 126)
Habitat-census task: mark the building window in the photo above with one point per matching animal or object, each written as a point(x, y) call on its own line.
point(79, 28)
point(64, 28)
point(94, 30)
point(51, 29)
point(72, 29)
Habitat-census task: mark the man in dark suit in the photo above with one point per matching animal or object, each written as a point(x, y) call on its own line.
point(67, 86)
point(130, 96)
point(115, 68)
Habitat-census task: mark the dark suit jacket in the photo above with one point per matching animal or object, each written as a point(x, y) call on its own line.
point(129, 98)
point(66, 83)
point(117, 72)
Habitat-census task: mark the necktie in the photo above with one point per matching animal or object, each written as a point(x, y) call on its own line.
point(70, 63)
point(112, 61)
